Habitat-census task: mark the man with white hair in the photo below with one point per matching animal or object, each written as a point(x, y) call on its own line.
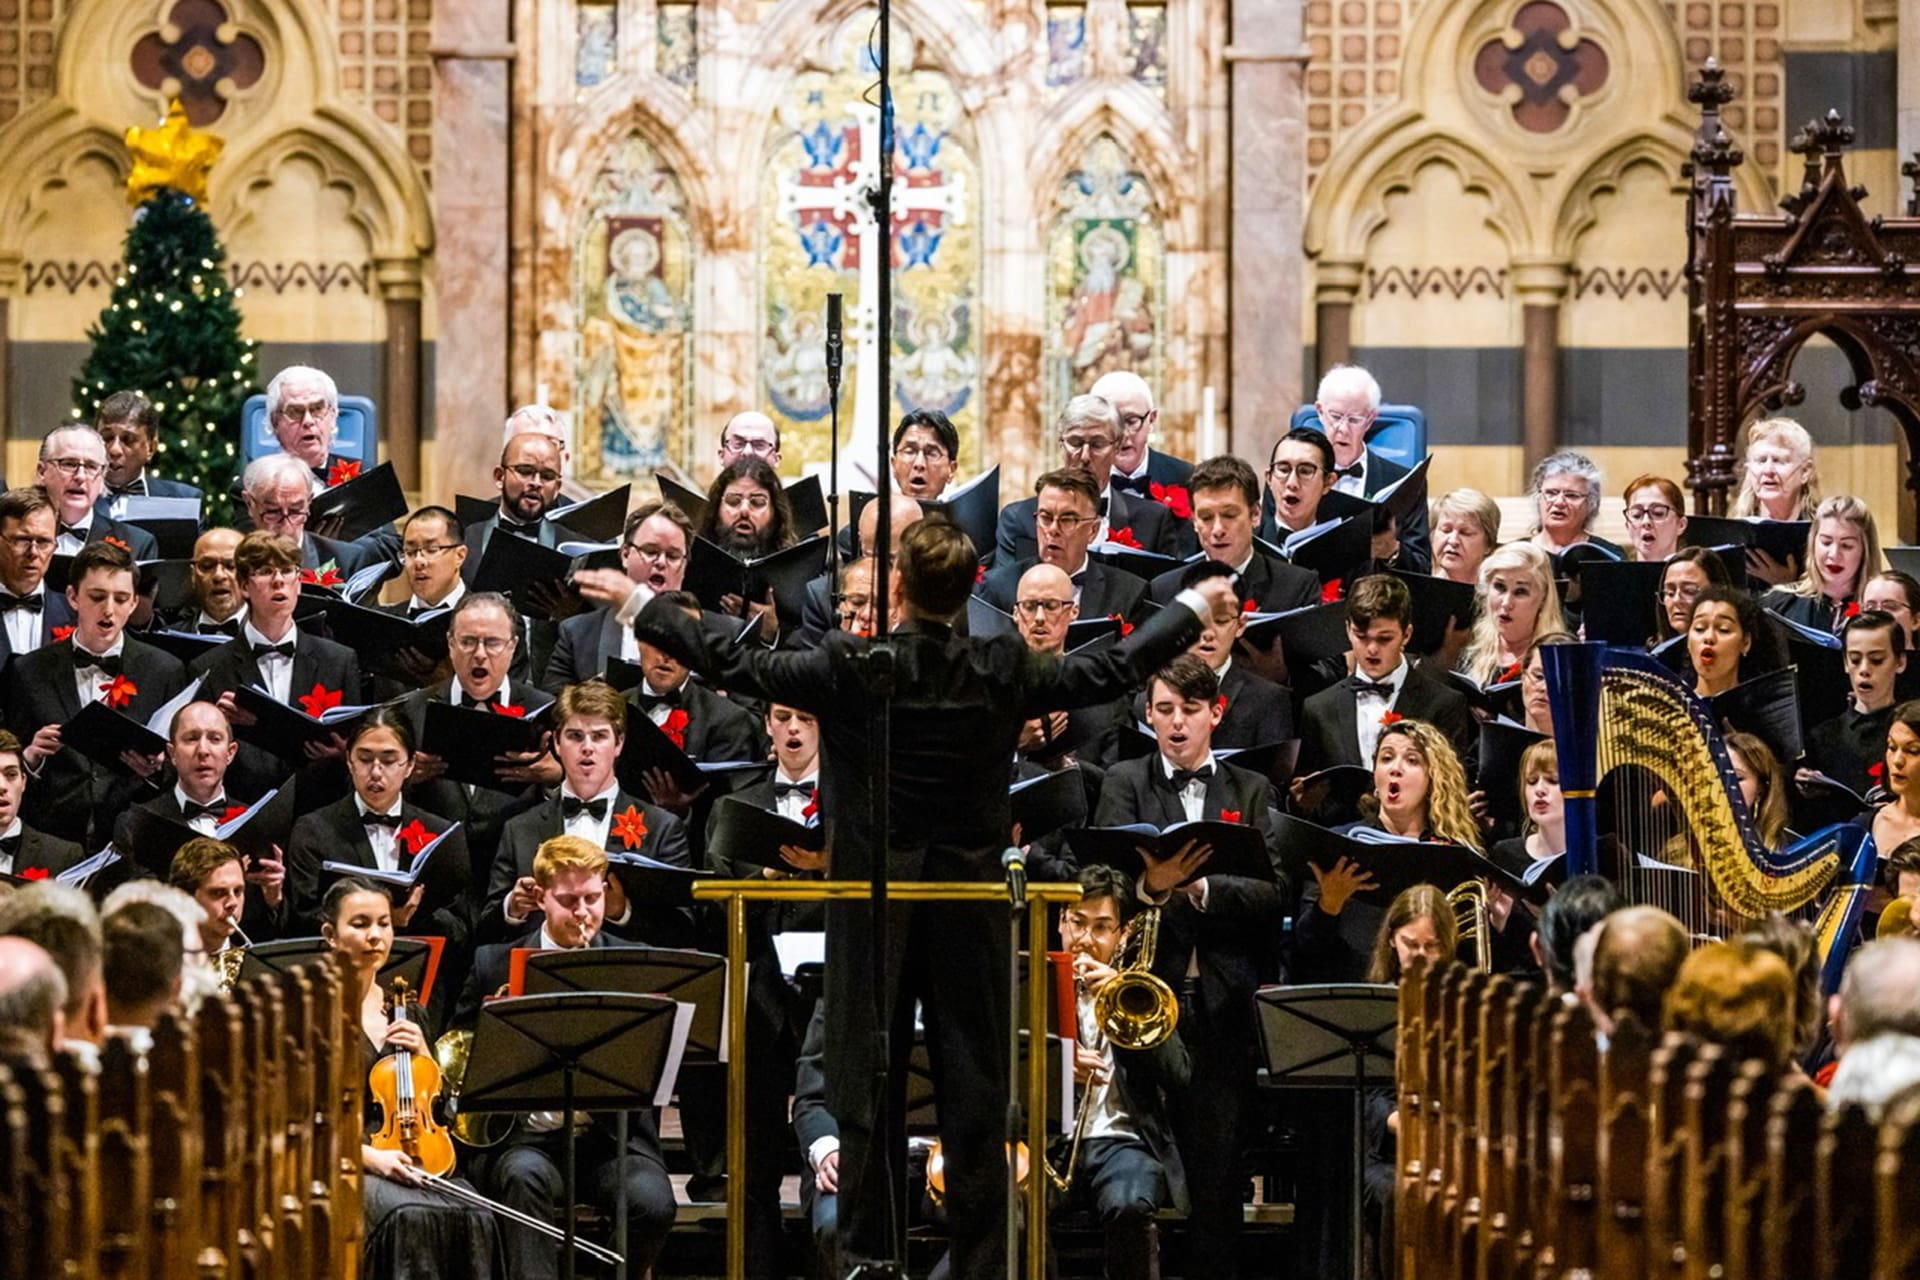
point(278, 497)
point(1137, 467)
point(1348, 403)
point(1876, 1024)
point(1089, 436)
point(73, 471)
point(303, 408)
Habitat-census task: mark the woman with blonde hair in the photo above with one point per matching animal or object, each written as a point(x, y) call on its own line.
point(1518, 601)
point(1843, 555)
point(1466, 529)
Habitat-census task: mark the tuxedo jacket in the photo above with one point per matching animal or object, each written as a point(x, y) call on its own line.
point(1330, 722)
point(1258, 710)
point(586, 642)
point(1236, 937)
point(335, 833)
point(72, 797)
point(659, 924)
point(41, 852)
point(56, 616)
point(316, 661)
point(348, 557)
point(140, 544)
point(1273, 585)
point(1815, 612)
point(1416, 543)
point(1851, 743)
point(156, 486)
point(1151, 524)
point(1165, 470)
point(257, 920)
point(1104, 592)
point(717, 729)
point(481, 811)
point(764, 918)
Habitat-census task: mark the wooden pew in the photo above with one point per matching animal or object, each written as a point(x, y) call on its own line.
point(1843, 1181)
point(1667, 1155)
point(77, 1148)
point(175, 1145)
point(1525, 1123)
point(1418, 994)
point(1625, 1125)
point(1497, 1173)
point(19, 1205)
point(123, 1128)
point(1461, 1200)
point(1573, 1118)
point(1793, 1137)
point(1747, 1172)
point(1702, 1220)
point(1897, 1250)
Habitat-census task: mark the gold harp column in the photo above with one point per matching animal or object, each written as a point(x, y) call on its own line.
point(399, 282)
point(1541, 286)
point(1336, 283)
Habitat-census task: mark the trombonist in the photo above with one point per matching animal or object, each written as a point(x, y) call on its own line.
point(215, 873)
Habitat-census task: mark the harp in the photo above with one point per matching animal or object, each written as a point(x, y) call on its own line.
point(1682, 836)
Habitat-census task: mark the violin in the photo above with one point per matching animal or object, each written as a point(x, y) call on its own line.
point(406, 1084)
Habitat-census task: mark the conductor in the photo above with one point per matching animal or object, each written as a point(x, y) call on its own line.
point(958, 707)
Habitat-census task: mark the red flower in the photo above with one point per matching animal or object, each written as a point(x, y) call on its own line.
point(118, 542)
point(342, 470)
point(233, 811)
point(119, 691)
point(1221, 703)
point(513, 709)
point(1174, 497)
point(1124, 537)
point(1510, 674)
point(327, 575)
point(33, 873)
point(979, 575)
point(1250, 606)
point(321, 699)
point(675, 727)
point(415, 836)
point(812, 809)
point(1389, 717)
point(1330, 592)
point(1229, 815)
point(631, 827)
point(1877, 771)
point(61, 633)
point(1853, 606)
point(1126, 628)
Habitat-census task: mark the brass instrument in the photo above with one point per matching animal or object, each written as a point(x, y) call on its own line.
point(229, 962)
point(1134, 1009)
point(1897, 921)
point(1469, 903)
point(451, 1052)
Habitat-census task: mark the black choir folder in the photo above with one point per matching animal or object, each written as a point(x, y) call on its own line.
point(356, 507)
point(713, 572)
point(1784, 540)
point(1044, 804)
point(285, 730)
point(1237, 850)
point(537, 579)
point(747, 833)
point(601, 518)
point(254, 832)
point(1396, 864)
point(1397, 502)
point(469, 740)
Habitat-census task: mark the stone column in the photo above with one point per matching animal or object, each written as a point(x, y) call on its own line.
point(399, 283)
point(473, 53)
point(1336, 283)
point(1266, 61)
point(1541, 286)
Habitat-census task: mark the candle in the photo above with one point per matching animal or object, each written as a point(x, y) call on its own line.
point(1209, 439)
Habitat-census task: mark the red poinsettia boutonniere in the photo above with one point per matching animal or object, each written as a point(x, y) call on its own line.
point(1174, 497)
point(979, 574)
point(1853, 609)
point(61, 633)
point(1508, 676)
point(231, 812)
point(117, 542)
point(675, 727)
point(414, 836)
point(118, 692)
point(1126, 628)
point(1229, 815)
point(812, 809)
point(513, 709)
point(320, 699)
point(33, 873)
point(1124, 537)
point(631, 826)
point(343, 470)
point(1249, 606)
point(1390, 717)
point(327, 575)
point(1332, 590)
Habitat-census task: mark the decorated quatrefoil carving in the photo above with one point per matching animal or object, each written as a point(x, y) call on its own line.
point(1541, 66)
point(199, 58)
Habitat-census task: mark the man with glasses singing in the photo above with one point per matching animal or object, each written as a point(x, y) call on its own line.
point(926, 450)
point(1064, 526)
point(1347, 403)
point(1089, 435)
point(1138, 468)
point(73, 471)
point(653, 551)
point(279, 496)
point(528, 479)
point(303, 408)
point(750, 434)
point(29, 613)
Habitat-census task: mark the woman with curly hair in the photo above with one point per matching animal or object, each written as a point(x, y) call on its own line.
point(1517, 602)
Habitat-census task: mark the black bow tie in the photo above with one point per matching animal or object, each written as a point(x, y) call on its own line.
point(415, 610)
point(648, 701)
point(526, 529)
point(1139, 484)
point(137, 489)
point(1382, 687)
point(80, 531)
point(389, 820)
point(32, 604)
point(781, 790)
point(572, 807)
point(1078, 579)
point(110, 663)
point(10, 845)
point(1181, 777)
point(213, 809)
point(1354, 469)
point(231, 627)
point(1101, 505)
point(284, 650)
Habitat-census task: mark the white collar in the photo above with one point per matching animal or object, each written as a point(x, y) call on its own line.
point(181, 798)
point(114, 650)
point(453, 598)
point(1396, 677)
point(361, 805)
point(457, 693)
point(208, 620)
point(662, 693)
point(1146, 460)
point(14, 828)
point(252, 634)
point(1220, 672)
point(613, 789)
point(811, 778)
point(82, 526)
point(1167, 766)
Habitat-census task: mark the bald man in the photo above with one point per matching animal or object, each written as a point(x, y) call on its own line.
point(750, 432)
point(1043, 610)
point(33, 997)
point(1637, 953)
point(817, 616)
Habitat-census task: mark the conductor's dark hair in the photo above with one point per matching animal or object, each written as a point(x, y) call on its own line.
point(109, 556)
point(342, 889)
point(681, 600)
point(456, 527)
point(937, 566)
point(1225, 472)
point(1874, 620)
point(1379, 596)
point(1098, 880)
point(1201, 570)
point(390, 718)
point(936, 422)
point(1575, 907)
point(1905, 859)
point(127, 408)
point(1189, 677)
point(1307, 436)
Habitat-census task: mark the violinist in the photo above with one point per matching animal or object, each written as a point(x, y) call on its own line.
point(411, 1231)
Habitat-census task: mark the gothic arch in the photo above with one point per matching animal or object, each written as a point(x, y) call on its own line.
point(390, 201)
point(1137, 121)
point(1350, 205)
point(666, 119)
point(52, 138)
point(1577, 213)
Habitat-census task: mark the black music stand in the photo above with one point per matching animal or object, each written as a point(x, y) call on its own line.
point(689, 977)
point(1335, 1036)
point(592, 1051)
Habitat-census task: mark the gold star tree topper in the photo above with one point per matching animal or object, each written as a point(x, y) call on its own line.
point(174, 155)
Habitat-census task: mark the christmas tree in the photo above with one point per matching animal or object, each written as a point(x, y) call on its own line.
point(171, 328)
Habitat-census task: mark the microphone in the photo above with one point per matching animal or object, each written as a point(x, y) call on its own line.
point(835, 344)
point(1014, 863)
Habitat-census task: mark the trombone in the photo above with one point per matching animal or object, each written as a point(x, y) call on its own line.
point(227, 963)
point(1469, 903)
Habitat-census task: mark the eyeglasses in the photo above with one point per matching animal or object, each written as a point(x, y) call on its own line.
point(1087, 444)
point(1132, 422)
point(931, 454)
point(24, 544)
point(318, 410)
point(78, 466)
point(427, 553)
point(665, 555)
point(1651, 511)
point(530, 473)
point(486, 644)
point(1287, 470)
point(208, 565)
point(1360, 419)
point(758, 448)
point(285, 513)
point(1563, 495)
point(1680, 591)
point(1065, 521)
point(735, 501)
point(1035, 608)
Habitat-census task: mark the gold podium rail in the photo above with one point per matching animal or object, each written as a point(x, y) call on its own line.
point(737, 893)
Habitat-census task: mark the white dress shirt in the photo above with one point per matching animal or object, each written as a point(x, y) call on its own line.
point(1369, 707)
point(90, 681)
point(25, 627)
point(1193, 796)
point(12, 832)
point(274, 669)
point(1355, 484)
point(1105, 1119)
point(415, 603)
point(385, 840)
point(204, 823)
point(457, 694)
point(659, 711)
point(585, 825)
point(792, 804)
point(68, 544)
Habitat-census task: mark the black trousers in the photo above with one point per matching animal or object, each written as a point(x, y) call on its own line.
point(1206, 1126)
point(1122, 1181)
point(953, 959)
point(527, 1174)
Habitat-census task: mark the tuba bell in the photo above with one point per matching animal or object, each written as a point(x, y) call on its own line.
point(451, 1053)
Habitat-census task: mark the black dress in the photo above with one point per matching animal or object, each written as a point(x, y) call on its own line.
point(418, 1233)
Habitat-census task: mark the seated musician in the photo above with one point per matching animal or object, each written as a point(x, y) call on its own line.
point(215, 873)
point(1419, 793)
point(1847, 747)
point(1517, 602)
point(1217, 936)
point(818, 1134)
point(411, 1230)
point(1843, 551)
point(572, 884)
point(589, 729)
point(1898, 821)
point(1127, 1165)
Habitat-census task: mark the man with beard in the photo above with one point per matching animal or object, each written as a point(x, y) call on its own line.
point(653, 551)
point(748, 516)
point(30, 615)
point(528, 479)
point(73, 471)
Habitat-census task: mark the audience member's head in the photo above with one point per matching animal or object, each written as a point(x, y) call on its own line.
point(1635, 957)
point(1579, 904)
point(142, 953)
point(1879, 993)
point(1794, 943)
point(62, 921)
point(33, 998)
point(1738, 996)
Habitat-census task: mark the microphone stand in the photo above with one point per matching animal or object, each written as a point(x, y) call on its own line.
point(836, 351)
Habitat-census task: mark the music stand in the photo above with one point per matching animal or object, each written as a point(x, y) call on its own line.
point(592, 1051)
point(689, 977)
point(1335, 1036)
